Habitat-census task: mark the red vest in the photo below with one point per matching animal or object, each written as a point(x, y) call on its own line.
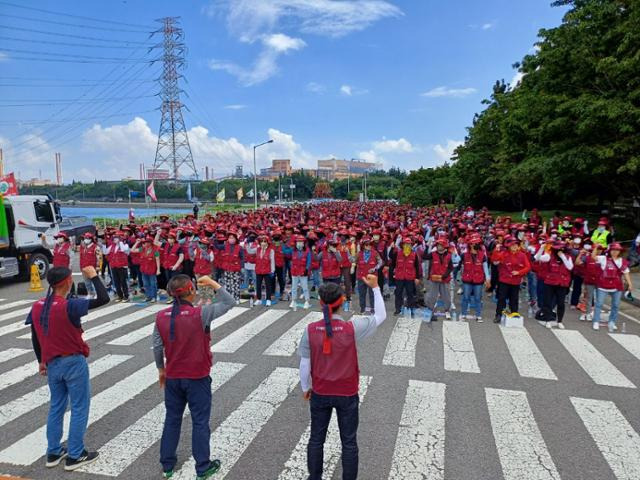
point(592, 271)
point(473, 270)
point(513, 262)
point(231, 258)
point(299, 262)
point(88, 256)
point(61, 257)
point(117, 259)
point(611, 276)
point(557, 274)
point(344, 251)
point(381, 247)
point(330, 265)
point(336, 373)
point(279, 256)
point(363, 268)
point(263, 261)
point(250, 257)
point(202, 262)
point(405, 266)
point(315, 263)
point(189, 353)
point(171, 255)
point(63, 337)
point(439, 266)
point(148, 260)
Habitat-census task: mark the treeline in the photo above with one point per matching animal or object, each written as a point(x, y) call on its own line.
point(568, 133)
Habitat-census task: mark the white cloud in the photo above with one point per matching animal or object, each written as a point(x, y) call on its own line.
point(346, 90)
point(488, 26)
point(235, 106)
point(349, 90)
point(316, 87)
point(439, 92)
point(265, 66)
point(444, 152)
point(4, 56)
point(370, 156)
point(515, 81)
point(402, 145)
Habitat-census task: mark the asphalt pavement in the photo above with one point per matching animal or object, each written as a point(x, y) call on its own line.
point(440, 400)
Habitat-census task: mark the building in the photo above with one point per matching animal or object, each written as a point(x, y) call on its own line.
point(238, 173)
point(335, 169)
point(36, 182)
point(158, 174)
point(279, 167)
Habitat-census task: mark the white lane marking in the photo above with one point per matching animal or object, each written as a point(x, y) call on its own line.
point(419, 450)
point(526, 355)
point(296, 467)
point(521, 448)
point(16, 313)
point(245, 333)
point(236, 433)
point(615, 437)
point(33, 446)
point(146, 331)
point(122, 321)
point(459, 354)
point(40, 396)
point(633, 319)
point(401, 348)
point(11, 353)
point(591, 360)
point(16, 326)
point(18, 374)
point(287, 344)
point(94, 315)
point(631, 343)
point(121, 451)
point(17, 303)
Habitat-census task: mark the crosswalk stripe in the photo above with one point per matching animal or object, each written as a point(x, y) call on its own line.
point(287, 344)
point(601, 370)
point(94, 315)
point(615, 437)
point(296, 467)
point(18, 374)
point(12, 353)
point(14, 314)
point(521, 448)
point(121, 451)
point(15, 326)
point(459, 354)
point(122, 321)
point(40, 396)
point(401, 348)
point(526, 355)
point(419, 449)
point(630, 343)
point(146, 331)
point(32, 446)
point(245, 333)
point(17, 303)
point(236, 433)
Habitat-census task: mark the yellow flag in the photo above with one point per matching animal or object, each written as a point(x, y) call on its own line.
point(220, 196)
point(240, 194)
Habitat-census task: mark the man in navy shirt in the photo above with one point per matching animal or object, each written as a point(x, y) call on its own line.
point(56, 334)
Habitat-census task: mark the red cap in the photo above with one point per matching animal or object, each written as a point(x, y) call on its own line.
point(61, 235)
point(615, 246)
point(88, 235)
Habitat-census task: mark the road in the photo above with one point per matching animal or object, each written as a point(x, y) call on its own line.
point(445, 400)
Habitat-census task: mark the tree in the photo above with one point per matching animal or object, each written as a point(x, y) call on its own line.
point(322, 190)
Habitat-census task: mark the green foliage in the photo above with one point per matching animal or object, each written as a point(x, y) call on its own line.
point(427, 186)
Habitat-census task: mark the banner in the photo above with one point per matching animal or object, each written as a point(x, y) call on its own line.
point(250, 193)
point(151, 191)
point(4, 227)
point(220, 196)
point(8, 185)
point(240, 194)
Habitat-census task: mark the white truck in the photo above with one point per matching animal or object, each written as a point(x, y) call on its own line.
point(28, 218)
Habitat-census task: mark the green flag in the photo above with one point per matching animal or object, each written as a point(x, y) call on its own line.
point(4, 228)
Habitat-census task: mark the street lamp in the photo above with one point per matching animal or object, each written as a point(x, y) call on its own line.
point(255, 175)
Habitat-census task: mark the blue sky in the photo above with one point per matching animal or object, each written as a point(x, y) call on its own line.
point(392, 81)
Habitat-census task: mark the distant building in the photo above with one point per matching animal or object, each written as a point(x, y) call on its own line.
point(36, 182)
point(158, 174)
point(279, 167)
point(336, 169)
point(238, 173)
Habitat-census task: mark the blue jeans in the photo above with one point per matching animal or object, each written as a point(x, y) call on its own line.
point(470, 290)
point(150, 283)
point(540, 291)
point(315, 278)
point(321, 407)
point(248, 277)
point(303, 282)
point(532, 285)
point(615, 304)
point(178, 392)
point(68, 379)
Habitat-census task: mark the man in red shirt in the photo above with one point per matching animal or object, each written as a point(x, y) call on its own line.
point(513, 265)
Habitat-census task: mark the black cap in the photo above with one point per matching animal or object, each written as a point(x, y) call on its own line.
point(57, 275)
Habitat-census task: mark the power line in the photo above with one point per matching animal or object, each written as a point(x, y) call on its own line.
point(76, 25)
point(66, 102)
point(72, 55)
point(66, 44)
point(68, 35)
point(62, 60)
point(65, 85)
point(99, 117)
point(101, 20)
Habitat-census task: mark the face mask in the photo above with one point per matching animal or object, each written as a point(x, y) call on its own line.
point(264, 244)
point(299, 245)
point(116, 241)
point(601, 228)
point(203, 247)
point(577, 241)
point(232, 241)
point(87, 241)
point(376, 238)
point(406, 249)
point(60, 241)
point(367, 247)
point(520, 235)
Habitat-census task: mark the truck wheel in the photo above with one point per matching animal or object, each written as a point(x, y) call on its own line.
point(41, 261)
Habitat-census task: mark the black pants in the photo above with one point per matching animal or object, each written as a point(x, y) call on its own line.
point(381, 279)
point(120, 281)
point(363, 292)
point(268, 281)
point(510, 292)
point(335, 280)
point(576, 290)
point(494, 278)
point(346, 277)
point(408, 287)
point(281, 279)
point(187, 268)
point(321, 407)
point(554, 296)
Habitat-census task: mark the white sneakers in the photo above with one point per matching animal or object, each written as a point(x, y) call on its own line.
point(268, 304)
point(612, 327)
point(548, 325)
point(561, 326)
point(292, 304)
point(479, 320)
point(447, 315)
point(596, 326)
point(306, 306)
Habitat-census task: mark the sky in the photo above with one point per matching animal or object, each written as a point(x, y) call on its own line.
point(391, 81)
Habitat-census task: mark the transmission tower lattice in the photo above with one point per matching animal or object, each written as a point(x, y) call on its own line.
point(173, 150)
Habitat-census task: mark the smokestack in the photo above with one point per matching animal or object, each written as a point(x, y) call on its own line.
point(206, 171)
point(1, 164)
point(58, 169)
point(141, 172)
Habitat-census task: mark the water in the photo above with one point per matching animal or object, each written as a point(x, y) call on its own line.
point(118, 212)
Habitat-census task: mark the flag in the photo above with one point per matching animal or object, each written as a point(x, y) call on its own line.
point(4, 226)
point(250, 193)
point(189, 191)
point(266, 196)
point(220, 196)
point(8, 185)
point(151, 191)
point(240, 194)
